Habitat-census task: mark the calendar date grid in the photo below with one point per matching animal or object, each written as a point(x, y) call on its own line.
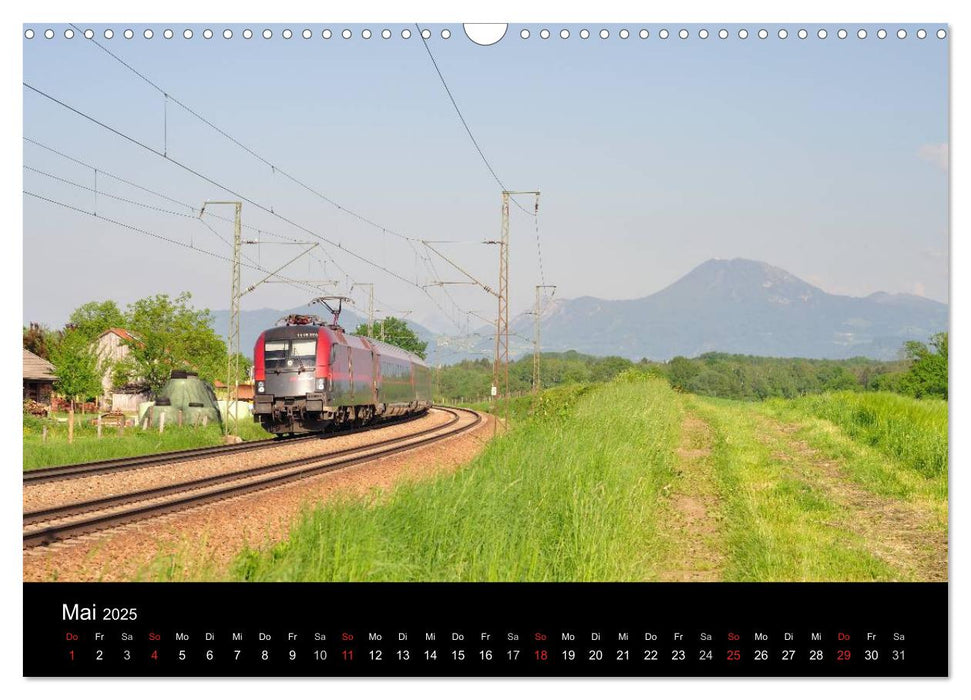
point(647, 649)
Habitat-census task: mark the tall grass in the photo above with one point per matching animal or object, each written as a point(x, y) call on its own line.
point(568, 495)
point(912, 431)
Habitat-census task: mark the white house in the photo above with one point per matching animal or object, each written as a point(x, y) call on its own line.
point(111, 348)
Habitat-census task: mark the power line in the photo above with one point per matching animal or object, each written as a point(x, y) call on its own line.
point(213, 182)
point(254, 264)
point(214, 231)
point(539, 250)
point(433, 271)
point(225, 188)
point(274, 168)
point(451, 97)
point(160, 237)
point(115, 197)
point(468, 129)
point(105, 172)
point(168, 198)
point(107, 194)
point(137, 229)
point(140, 204)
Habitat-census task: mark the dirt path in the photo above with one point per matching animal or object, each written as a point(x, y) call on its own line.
point(689, 517)
point(895, 531)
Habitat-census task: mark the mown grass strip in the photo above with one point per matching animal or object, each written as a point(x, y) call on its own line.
point(570, 496)
point(778, 526)
point(871, 467)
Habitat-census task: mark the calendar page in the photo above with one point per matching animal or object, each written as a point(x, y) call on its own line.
point(496, 350)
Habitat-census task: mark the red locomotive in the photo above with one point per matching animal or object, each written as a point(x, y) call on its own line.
point(311, 376)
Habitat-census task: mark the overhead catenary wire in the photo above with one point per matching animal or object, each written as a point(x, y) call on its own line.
point(164, 154)
point(253, 263)
point(108, 194)
point(274, 168)
point(143, 205)
point(458, 111)
point(478, 148)
point(539, 250)
point(146, 232)
point(215, 183)
point(156, 193)
point(210, 180)
point(250, 264)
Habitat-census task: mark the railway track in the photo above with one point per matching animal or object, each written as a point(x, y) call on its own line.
point(107, 466)
point(100, 514)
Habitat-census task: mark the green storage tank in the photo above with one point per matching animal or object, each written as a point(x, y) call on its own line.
point(184, 392)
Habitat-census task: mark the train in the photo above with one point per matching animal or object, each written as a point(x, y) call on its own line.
point(310, 376)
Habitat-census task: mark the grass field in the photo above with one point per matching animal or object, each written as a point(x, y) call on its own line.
point(579, 507)
point(134, 441)
point(633, 481)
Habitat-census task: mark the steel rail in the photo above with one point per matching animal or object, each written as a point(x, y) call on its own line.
point(68, 471)
point(38, 537)
point(80, 507)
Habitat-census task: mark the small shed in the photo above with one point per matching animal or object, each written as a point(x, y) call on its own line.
point(128, 398)
point(246, 391)
point(39, 376)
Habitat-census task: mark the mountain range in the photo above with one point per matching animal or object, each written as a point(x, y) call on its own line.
point(735, 306)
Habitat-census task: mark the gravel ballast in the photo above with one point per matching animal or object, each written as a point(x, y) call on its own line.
point(200, 543)
point(58, 493)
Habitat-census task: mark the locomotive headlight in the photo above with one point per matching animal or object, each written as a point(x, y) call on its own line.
point(260, 387)
point(320, 385)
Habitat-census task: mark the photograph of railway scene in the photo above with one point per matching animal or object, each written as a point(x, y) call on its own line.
point(427, 303)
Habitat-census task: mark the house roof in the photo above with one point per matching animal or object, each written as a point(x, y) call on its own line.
point(120, 332)
point(37, 368)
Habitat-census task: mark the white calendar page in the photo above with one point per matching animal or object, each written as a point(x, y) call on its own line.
point(662, 302)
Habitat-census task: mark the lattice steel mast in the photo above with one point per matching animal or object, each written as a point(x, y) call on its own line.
point(502, 318)
point(370, 305)
point(232, 360)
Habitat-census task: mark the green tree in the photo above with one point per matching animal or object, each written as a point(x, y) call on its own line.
point(927, 375)
point(887, 381)
point(396, 332)
point(76, 365)
point(681, 372)
point(171, 335)
point(839, 378)
point(95, 317)
point(605, 369)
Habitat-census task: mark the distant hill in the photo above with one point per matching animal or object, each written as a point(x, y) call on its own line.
point(731, 306)
point(741, 306)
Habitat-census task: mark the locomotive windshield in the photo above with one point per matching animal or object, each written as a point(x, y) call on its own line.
point(304, 350)
point(275, 353)
point(287, 354)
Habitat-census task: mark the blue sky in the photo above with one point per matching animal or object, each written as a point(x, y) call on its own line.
point(823, 157)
